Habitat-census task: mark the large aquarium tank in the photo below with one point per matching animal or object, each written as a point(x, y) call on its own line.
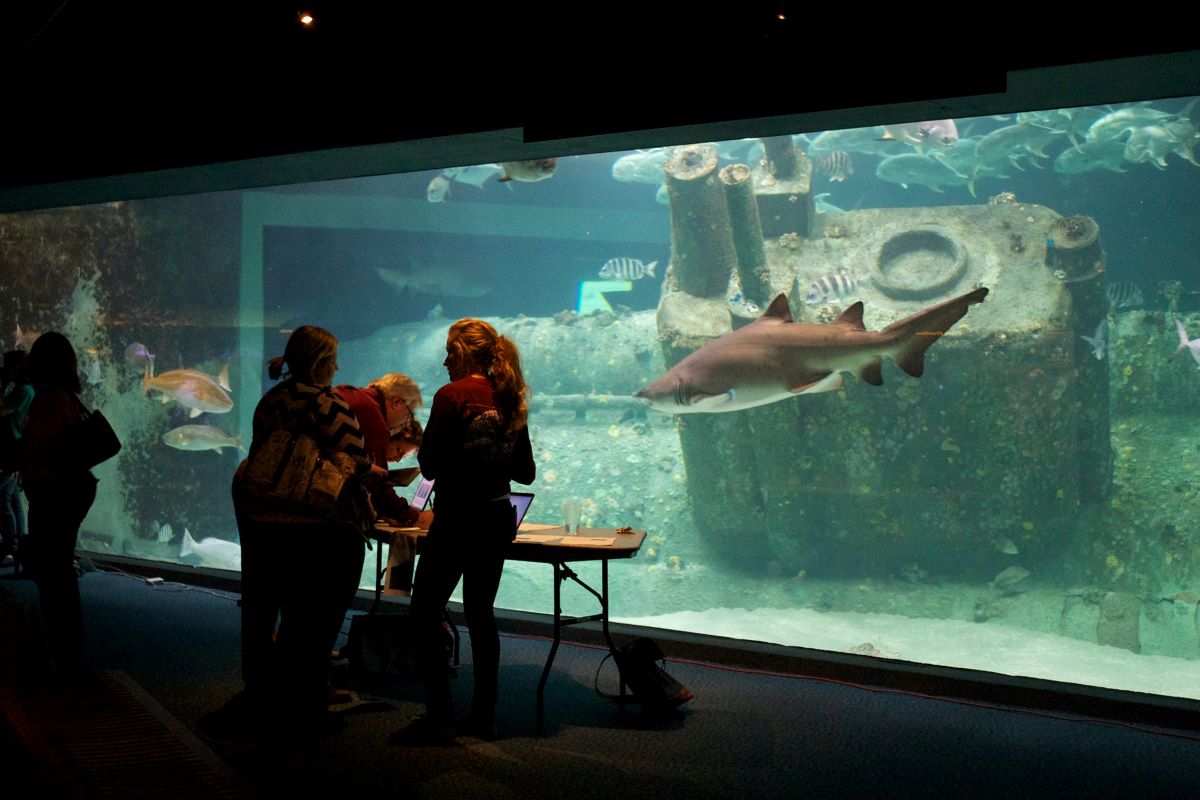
point(1020, 496)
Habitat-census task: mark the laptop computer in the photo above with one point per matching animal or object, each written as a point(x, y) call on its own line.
point(520, 500)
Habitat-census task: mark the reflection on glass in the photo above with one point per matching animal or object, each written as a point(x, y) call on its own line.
point(1027, 505)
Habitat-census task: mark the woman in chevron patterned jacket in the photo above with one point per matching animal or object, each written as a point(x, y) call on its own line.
point(299, 571)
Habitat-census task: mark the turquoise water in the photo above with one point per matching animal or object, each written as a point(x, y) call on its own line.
point(1021, 493)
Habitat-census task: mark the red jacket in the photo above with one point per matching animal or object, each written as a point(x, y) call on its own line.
point(368, 407)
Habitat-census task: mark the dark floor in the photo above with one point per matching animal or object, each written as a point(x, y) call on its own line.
point(746, 734)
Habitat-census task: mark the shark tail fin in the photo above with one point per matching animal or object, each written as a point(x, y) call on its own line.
point(917, 333)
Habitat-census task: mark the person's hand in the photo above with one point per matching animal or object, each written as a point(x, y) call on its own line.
point(424, 520)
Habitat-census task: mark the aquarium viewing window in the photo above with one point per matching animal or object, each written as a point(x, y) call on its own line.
point(1010, 490)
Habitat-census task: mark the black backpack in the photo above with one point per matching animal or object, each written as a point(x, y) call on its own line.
point(640, 663)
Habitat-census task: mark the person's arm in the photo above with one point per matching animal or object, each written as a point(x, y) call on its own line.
point(437, 442)
point(522, 466)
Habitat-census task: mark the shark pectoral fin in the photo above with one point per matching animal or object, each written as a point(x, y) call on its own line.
point(828, 382)
point(872, 373)
point(193, 413)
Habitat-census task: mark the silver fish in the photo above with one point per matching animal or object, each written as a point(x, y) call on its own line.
point(1009, 578)
point(165, 534)
point(644, 166)
point(936, 132)
point(1192, 345)
point(774, 358)
point(826, 287)
point(438, 190)
point(212, 552)
point(1005, 545)
point(476, 175)
point(529, 171)
point(195, 438)
point(1099, 340)
point(627, 269)
point(911, 168)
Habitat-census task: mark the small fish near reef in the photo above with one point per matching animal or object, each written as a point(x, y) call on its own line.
point(1099, 340)
point(1008, 579)
point(212, 552)
point(530, 171)
point(828, 287)
point(741, 306)
point(774, 358)
point(1192, 346)
point(1124, 294)
point(140, 356)
point(627, 269)
point(194, 390)
point(837, 165)
point(195, 438)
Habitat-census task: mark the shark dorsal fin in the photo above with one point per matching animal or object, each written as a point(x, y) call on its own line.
point(853, 316)
point(779, 309)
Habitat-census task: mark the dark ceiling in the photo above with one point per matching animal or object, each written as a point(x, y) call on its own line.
point(116, 100)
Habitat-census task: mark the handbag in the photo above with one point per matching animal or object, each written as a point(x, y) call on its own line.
point(93, 441)
point(290, 474)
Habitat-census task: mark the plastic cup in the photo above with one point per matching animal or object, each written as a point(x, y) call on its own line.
point(570, 510)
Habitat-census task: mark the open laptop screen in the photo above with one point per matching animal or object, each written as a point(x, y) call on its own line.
point(520, 501)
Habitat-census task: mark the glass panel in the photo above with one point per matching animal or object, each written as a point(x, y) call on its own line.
point(1027, 505)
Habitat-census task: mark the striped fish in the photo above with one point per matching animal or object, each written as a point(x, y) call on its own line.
point(836, 165)
point(1124, 294)
point(829, 287)
point(627, 269)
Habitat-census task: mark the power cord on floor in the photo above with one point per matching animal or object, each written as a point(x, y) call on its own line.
point(160, 585)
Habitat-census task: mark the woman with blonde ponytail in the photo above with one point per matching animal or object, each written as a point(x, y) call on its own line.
point(475, 445)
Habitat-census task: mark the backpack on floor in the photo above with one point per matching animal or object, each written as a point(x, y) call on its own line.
point(641, 663)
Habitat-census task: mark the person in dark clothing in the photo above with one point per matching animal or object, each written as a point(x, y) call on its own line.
point(286, 669)
point(59, 497)
point(476, 443)
point(384, 409)
point(18, 396)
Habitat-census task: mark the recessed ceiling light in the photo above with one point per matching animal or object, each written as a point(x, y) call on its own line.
point(306, 19)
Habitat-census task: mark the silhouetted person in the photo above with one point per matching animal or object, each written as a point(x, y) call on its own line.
point(475, 444)
point(300, 571)
point(60, 495)
point(18, 396)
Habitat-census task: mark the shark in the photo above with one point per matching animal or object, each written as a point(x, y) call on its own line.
point(774, 357)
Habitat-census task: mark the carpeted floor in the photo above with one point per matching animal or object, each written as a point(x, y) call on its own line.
point(745, 734)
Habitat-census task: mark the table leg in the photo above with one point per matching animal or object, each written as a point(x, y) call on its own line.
point(378, 577)
point(541, 689)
